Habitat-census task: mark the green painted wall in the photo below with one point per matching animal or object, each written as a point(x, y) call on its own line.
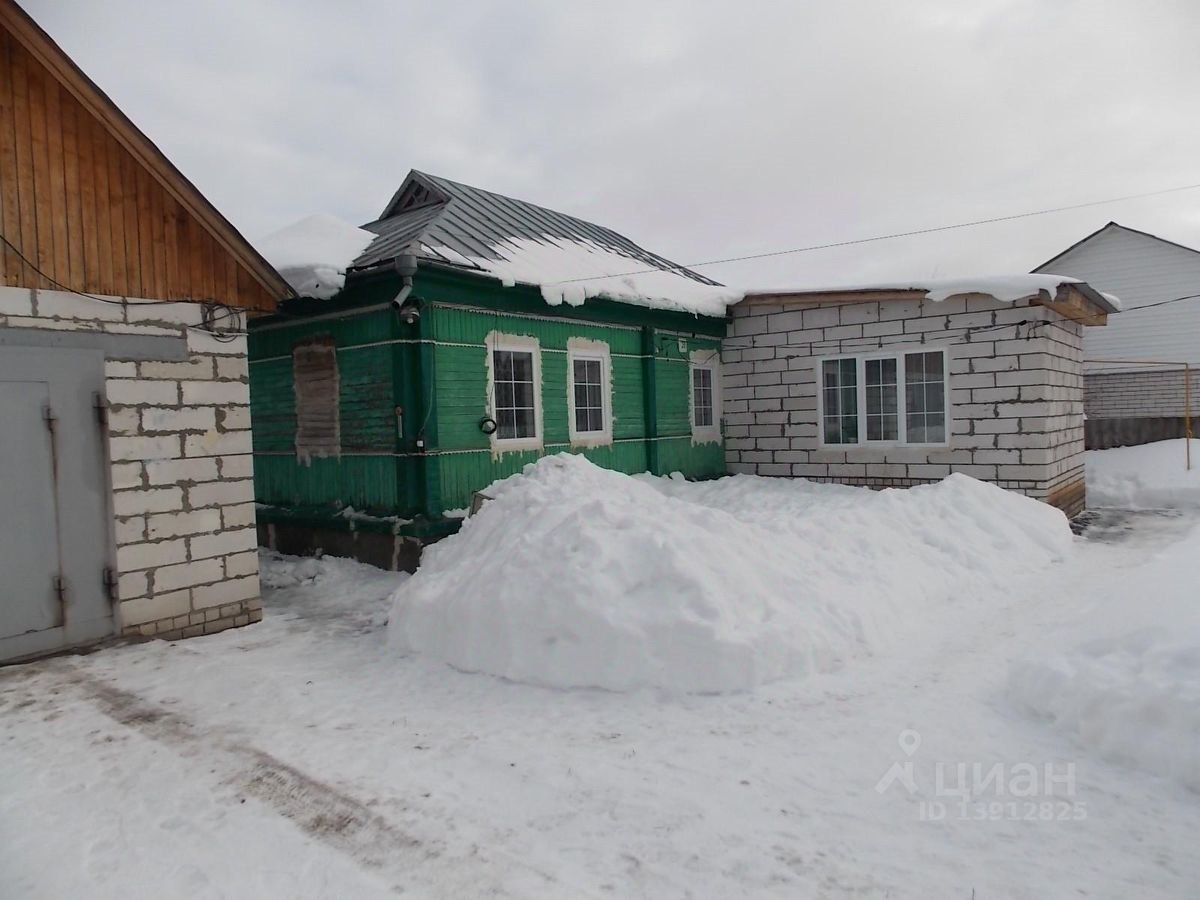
point(462, 389)
point(435, 372)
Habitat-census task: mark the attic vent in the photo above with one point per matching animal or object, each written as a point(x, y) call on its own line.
point(416, 196)
point(318, 416)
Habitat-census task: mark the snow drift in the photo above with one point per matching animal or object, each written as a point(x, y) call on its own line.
point(313, 254)
point(576, 576)
point(1131, 690)
point(1151, 476)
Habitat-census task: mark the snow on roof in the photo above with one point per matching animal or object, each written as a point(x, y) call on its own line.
point(574, 270)
point(314, 253)
point(1005, 288)
point(570, 259)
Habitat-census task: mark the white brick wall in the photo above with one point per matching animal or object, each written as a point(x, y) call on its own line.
point(1016, 402)
point(179, 441)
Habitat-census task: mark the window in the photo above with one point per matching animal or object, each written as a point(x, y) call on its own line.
point(705, 396)
point(839, 380)
point(589, 392)
point(883, 417)
point(861, 399)
point(925, 397)
point(516, 391)
point(702, 397)
point(515, 413)
point(589, 401)
point(318, 413)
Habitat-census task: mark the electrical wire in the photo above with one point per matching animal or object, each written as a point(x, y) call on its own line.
point(1159, 303)
point(954, 333)
point(121, 302)
point(224, 337)
point(887, 237)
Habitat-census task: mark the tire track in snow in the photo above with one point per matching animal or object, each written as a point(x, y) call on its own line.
point(320, 810)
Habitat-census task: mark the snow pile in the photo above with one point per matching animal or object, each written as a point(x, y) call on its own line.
point(341, 593)
point(313, 254)
point(572, 271)
point(1150, 476)
point(577, 576)
point(1131, 692)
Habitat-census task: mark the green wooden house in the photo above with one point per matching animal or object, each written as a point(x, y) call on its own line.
point(474, 334)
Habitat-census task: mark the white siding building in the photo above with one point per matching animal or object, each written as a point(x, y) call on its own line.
point(1136, 403)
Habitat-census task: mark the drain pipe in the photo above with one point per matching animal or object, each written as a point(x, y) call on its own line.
point(406, 266)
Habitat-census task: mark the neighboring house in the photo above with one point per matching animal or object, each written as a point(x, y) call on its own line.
point(474, 334)
point(1138, 402)
point(126, 480)
point(893, 386)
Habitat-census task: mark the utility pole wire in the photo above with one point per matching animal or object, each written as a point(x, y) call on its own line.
point(898, 234)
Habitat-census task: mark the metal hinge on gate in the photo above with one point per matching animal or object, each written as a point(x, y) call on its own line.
point(100, 404)
point(109, 578)
point(49, 418)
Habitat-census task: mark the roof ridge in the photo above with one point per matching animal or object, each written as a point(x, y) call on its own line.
point(1110, 224)
point(476, 223)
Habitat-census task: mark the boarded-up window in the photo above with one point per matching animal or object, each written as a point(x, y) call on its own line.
point(318, 418)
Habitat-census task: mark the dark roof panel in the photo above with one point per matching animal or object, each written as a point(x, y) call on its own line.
point(470, 222)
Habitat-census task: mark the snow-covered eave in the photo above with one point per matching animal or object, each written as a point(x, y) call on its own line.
point(438, 262)
point(1013, 289)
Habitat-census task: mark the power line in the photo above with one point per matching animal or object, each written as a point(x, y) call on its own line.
point(1160, 303)
point(224, 337)
point(58, 284)
point(730, 343)
point(888, 237)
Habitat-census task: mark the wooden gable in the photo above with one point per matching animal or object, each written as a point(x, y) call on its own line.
point(93, 204)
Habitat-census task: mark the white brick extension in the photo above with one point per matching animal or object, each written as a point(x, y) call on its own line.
point(181, 473)
point(1015, 391)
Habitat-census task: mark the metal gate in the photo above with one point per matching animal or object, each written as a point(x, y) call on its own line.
point(54, 520)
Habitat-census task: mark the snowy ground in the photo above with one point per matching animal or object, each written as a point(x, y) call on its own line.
point(304, 757)
point(1148, 476)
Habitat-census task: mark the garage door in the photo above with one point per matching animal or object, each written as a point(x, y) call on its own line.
point(53, 501)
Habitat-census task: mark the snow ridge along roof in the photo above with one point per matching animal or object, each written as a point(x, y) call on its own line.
point(1004, 288)
point(570, 259)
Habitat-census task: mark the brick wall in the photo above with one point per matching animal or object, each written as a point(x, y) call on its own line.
point(1016, 405)
point(179, 444)
point(1120, 395)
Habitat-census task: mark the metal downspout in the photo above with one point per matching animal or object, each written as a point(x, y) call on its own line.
point(650, 395)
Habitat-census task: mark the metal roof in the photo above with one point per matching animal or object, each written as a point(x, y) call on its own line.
point(444, 221)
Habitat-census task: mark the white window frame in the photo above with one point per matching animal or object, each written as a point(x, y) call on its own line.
point(583, 349)
point(520, 343)
point(710, 360)
point(898, 354)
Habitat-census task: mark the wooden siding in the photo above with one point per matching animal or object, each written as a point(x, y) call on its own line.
point(381, 470)
point(367, 476)
point(91, 215)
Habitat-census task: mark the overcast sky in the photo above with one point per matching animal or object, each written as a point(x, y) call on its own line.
point(700, 130)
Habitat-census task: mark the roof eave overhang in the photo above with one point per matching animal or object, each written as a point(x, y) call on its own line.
point(43, 48)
